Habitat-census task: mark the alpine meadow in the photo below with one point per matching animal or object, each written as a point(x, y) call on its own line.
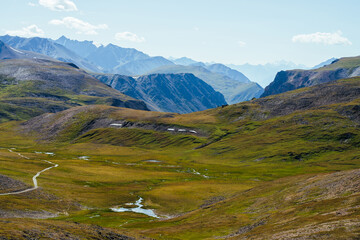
point(110, 129)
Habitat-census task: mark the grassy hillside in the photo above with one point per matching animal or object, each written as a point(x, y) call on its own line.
point(280, 167)
point(30, 87)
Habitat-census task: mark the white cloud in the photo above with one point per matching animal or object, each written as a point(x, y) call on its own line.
point(241, 43)
point(31, 4)
point(79, 25)
point(335, 38)
point(59, 5)
point(129, 36)
point(29, 31)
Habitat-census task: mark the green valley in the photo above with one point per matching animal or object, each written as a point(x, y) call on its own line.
point(280, 167)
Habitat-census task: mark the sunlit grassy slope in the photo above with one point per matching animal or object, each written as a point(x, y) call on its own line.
point(279, 167)
point(31, 87)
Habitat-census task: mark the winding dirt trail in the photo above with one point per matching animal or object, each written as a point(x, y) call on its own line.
point(34, 177)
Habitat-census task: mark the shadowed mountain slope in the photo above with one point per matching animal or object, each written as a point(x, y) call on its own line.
point(181, 93)
point(233, 90)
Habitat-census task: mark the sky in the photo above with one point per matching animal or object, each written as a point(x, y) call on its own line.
point(228, 31)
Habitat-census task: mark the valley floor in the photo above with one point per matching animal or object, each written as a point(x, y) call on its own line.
point(294, 175)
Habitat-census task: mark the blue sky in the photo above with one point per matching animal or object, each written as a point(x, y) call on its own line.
point(228, 31)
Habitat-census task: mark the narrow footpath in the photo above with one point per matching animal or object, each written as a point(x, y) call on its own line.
point(36, 186)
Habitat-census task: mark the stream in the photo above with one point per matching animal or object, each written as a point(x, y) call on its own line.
point(138, 209)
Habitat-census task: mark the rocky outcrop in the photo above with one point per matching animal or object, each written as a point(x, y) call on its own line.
point(8, 184)
point(294, 79)
point(180, 93)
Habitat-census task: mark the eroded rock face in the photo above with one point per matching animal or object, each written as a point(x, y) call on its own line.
point(180, 93)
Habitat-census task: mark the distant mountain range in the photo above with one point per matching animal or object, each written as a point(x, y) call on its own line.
point(7, 52)
point(114, 59)
point(228, 80)
point(50, 48)
point(180, 93)
point(34, 80)
point(261, 74)
point(234, 85)
point(295, 79)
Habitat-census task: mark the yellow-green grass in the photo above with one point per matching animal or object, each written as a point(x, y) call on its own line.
point(181, 197)
point(284, 204)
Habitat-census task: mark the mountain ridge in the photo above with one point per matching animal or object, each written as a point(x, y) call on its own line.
point(48, 47)
point(129, 61)
point(295, 79)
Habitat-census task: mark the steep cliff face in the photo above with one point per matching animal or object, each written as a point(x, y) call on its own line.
point(294, 79)
point(180, 93)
